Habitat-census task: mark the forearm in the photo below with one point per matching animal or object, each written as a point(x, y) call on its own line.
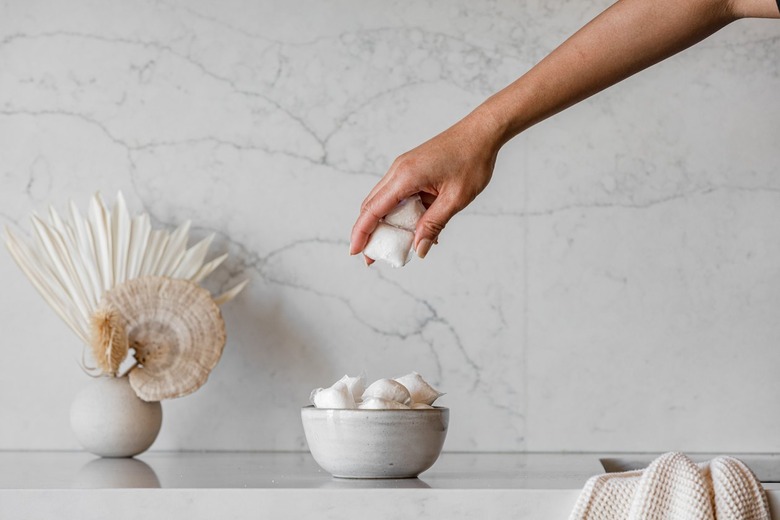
point(626, 38)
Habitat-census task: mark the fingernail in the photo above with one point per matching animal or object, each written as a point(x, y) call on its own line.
point(365, 259)
point(423, 247)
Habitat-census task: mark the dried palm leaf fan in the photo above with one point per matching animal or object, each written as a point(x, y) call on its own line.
point(119, 284)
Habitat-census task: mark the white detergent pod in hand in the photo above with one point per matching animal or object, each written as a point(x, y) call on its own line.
point(376, 403)
point(419, 389)
point(337, 396)
point(388, 389)
point(356, 385)
point(406, 214)
point(390, 244)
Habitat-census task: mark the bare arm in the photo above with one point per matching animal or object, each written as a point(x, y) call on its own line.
point(456, 165)
point(623, 40)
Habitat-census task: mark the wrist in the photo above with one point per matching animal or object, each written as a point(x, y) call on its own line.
point(507, 112)
point(491, 125)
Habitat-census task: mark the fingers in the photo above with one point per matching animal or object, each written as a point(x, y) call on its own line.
point(432, 223)
point(427, 198)
point(373, 209)
point(383, 181)
point(379, 185)
point(366, 224)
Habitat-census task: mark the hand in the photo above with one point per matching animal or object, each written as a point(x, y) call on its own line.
point(448, 172)
point(451, 169)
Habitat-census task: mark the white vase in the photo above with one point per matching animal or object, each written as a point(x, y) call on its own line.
point(109, 420)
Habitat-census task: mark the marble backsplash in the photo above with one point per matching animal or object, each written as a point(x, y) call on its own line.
point(617, 286)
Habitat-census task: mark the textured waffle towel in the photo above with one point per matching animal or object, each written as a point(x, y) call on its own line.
point(674, 487)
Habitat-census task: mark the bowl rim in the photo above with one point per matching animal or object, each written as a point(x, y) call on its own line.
point(438, 409)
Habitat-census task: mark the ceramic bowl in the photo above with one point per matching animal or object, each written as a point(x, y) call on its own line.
point(375, 443)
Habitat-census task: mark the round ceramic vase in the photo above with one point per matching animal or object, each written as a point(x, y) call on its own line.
point(109, 420)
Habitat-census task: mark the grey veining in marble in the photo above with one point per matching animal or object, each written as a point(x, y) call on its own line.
point(615, 288)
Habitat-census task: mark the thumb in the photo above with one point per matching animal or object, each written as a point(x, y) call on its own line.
point(432, 223)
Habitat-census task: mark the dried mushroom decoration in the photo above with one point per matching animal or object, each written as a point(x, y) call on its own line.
point(176, 331)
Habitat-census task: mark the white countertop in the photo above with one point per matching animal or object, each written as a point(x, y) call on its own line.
point(227, 485)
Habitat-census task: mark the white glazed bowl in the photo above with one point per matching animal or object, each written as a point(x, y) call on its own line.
point(375, 443)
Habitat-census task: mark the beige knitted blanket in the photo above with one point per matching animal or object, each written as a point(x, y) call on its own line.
point(674, 487)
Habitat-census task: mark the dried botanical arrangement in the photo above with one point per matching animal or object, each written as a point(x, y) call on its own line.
point(121, 285)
